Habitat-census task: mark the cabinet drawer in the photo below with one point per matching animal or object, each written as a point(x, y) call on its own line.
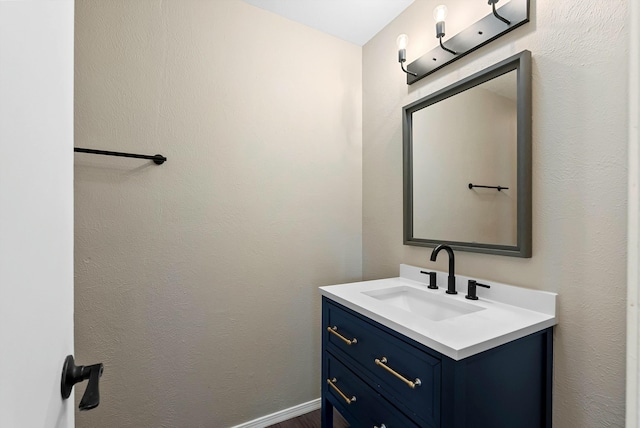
point(404, 374)
point(360, 401)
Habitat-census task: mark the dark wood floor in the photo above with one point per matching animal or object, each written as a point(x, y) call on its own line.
point(311, 420)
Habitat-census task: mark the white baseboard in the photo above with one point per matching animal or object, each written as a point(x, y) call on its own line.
point(282, 415)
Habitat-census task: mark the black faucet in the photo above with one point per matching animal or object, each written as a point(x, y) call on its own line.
point(451, 280)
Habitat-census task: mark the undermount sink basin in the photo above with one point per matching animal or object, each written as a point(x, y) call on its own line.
point(423, 303)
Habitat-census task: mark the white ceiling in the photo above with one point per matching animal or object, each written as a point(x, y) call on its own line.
point(355, 21)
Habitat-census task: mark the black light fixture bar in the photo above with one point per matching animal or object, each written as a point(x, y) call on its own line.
point(157, 159)
point(489, 28)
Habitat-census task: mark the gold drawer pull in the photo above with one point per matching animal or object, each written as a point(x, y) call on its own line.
point(334, 330)
point(412, 384)
point(347, 399)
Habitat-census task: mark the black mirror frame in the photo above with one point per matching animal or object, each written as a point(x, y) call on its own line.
point(522, 64)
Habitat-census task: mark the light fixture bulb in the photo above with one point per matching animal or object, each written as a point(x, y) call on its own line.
point(402, 41)
point(440, 13)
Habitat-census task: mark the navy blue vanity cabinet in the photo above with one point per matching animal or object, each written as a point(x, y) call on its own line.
point(375, 376)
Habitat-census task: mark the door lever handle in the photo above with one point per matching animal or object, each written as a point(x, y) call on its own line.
point(72, 374)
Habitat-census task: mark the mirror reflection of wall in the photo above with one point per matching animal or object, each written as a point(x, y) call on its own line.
point(467, 138)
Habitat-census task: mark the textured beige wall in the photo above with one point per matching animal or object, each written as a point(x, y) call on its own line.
point(579, 180)
point(196, 281)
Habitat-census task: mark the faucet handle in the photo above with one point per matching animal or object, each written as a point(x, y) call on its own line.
point(433, 284)
point(471, 289)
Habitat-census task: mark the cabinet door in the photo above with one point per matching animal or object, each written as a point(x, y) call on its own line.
point(504, 387)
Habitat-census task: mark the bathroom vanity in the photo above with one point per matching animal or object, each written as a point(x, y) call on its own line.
point(397, 354)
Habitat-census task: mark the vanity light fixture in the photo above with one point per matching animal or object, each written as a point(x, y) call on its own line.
point(495, 24)
point(493, 7)
point(402, 42)
point(439, 14)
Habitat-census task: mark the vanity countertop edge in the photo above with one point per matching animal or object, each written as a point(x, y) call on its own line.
point(512, 312)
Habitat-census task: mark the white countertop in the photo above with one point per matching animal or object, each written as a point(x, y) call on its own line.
point(508, 312)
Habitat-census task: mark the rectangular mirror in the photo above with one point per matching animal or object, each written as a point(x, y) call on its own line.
point(467, 163)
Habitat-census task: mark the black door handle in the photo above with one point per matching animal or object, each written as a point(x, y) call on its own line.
point(72, 374)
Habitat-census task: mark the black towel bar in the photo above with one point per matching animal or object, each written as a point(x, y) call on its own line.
point(471, 186)
point(157, 159)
